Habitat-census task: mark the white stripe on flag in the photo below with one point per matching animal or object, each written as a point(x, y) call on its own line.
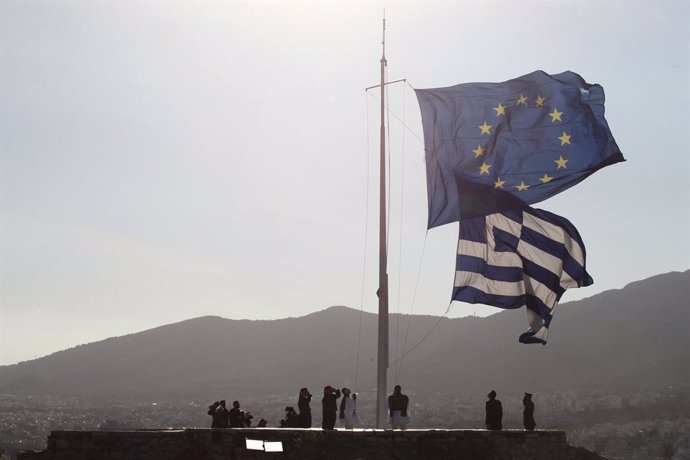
point(555, 233)
point(487, 285)
point(503, 223)
point(550, 262)
point(480, 250)
point(540, 291)
point(472, 248)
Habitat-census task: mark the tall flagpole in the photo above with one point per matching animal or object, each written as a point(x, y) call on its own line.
point(382, 369)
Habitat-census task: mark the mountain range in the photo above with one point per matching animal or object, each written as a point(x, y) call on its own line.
point(617, 339)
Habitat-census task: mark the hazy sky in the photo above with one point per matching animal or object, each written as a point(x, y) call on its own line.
point(166, 160)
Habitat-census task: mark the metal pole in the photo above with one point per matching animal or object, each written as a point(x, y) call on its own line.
point(382, 369)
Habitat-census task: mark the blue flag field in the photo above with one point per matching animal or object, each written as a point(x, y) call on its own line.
point(531, 137)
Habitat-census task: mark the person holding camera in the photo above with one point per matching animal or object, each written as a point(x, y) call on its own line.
point(219, 414)
point(215, 419)
point(304, 408)
point(291, 418)
point(330, 407)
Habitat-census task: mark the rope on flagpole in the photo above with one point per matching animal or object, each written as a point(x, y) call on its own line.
point(409, 317)
point(364, 255)
point(440, 318)
point(400, 234)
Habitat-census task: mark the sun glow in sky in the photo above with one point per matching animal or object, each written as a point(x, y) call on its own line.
point(161, 161)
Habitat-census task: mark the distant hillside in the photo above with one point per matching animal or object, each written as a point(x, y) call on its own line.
point(620, 338)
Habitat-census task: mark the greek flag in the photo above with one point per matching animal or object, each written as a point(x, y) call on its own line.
point(520, 257)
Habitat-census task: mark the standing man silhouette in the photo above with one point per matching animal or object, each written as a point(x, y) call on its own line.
point(215, 416)
point(528, 413)
point(397, 407)
point(304, 408)
point(494, 412)
point(330, 407)
point(348, 409)
point(236, 416)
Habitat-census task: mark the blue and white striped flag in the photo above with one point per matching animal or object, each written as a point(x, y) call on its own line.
point(520, 257)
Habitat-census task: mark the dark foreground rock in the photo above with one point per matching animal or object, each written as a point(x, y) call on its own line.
point(308, 444)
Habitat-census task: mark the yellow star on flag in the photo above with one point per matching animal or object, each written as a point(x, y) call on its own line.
point(500, 110)
point(556, 115)
point(561, 162)
point(479, 151)
point(565, 138)
point(539, 101)
point(522, 100)
point(484, 168)
point(522, 186)
point(499, 183)
point(485, 128)
point(546, 179)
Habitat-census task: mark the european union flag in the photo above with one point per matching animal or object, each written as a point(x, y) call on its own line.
point(520, 257)
point(531, 137)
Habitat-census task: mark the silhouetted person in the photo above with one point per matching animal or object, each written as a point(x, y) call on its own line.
point(494, 413)
point(348, 410)
point(528, 412)
point(262, 423)
point(236, 416)
point(215, 417)
point(291, 418)
point(330, 407)
point(221, 415)
point(304, 408)
point(247, 419)
point(397, 407)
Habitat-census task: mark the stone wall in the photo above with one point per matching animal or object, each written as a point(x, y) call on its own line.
point(308, 444)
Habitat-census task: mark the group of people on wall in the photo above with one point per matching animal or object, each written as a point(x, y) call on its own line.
point(234, 418)
point(345, 413)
